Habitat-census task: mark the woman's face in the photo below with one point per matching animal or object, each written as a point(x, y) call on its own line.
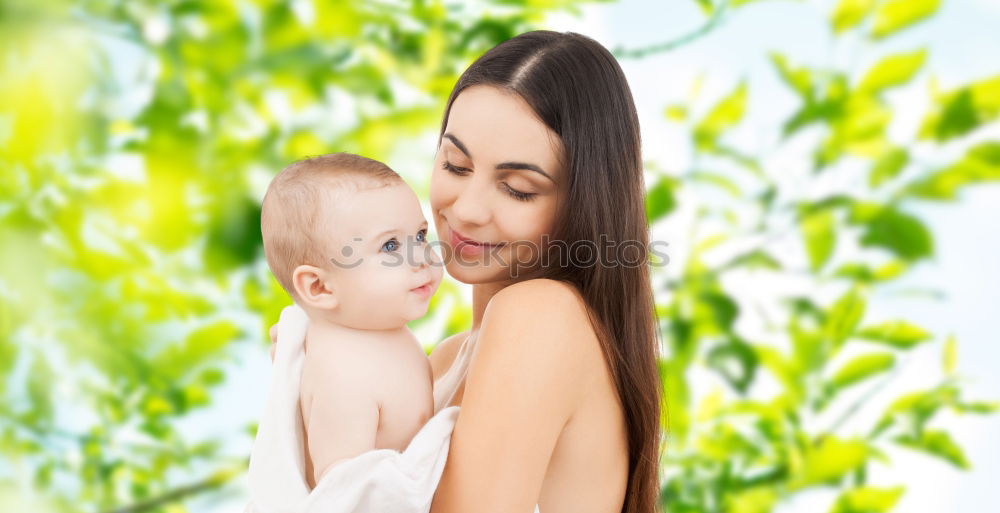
point(497, 181)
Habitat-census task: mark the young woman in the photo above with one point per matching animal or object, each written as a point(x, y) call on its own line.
point(537, 195)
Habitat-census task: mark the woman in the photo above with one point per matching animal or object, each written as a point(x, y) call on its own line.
point(537, 196)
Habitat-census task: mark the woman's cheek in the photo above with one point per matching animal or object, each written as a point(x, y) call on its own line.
point(437, 187)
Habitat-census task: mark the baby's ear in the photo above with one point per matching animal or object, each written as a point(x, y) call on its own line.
point(312, 287)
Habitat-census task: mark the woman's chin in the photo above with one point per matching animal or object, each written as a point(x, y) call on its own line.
point(471, 272)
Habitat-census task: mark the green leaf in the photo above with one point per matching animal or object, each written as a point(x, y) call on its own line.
point(719, 180)
point(864, 211)
point(199, 346)
point(782, 369)
point(950, 356)
point(844, 316)
point(727, 113)
point(830, 461)
point(849, 13)
point(890, 270)
point(980, 165)
point(706, 6)
point(799, 79)
point(809, 348)
point(676, 112)
point(938, 443)
point(209, 339)
point(678, 397)
point(195, 396)
point(234, 240)
point(981, 407)
point(754, 259)
point(868, 499)
point(892, 71)
point(735, 361)
point(858, 271)
point(918, 406)
point(660, 199)
point(156, 405)
point(888, 166)
point(40, 384)
point(830, 202)
point(960, 111)
point(899, 334)
point(861, 130)
point(754, 500)
point(862, 367)
point(818, 230)
point(211, 377)
point(894, 15)
point(903, 234)
point(718, 308)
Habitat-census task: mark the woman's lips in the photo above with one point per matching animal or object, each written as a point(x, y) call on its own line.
point(469, 247)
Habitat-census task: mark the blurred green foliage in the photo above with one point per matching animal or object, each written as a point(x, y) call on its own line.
point(134, 139)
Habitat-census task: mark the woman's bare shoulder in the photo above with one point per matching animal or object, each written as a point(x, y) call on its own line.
point(541, 297)
point(543, 309)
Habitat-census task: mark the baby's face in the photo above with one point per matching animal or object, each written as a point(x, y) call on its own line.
point(384, 272)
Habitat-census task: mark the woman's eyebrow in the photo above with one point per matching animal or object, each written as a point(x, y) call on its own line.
point(505, 165)
point(523, 165)
point(458, 144)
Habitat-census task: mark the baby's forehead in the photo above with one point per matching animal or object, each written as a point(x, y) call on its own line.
point(366, 213)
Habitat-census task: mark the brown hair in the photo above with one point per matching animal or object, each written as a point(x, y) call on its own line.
point(575, 86)
point(291, 213)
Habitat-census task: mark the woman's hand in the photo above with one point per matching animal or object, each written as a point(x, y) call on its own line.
point(273, 332)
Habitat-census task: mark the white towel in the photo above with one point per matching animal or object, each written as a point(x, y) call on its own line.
point(377, 481)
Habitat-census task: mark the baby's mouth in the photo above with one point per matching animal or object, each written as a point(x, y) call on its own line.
point(424, 289)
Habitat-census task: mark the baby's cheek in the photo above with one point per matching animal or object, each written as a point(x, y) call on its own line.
point(437, 270)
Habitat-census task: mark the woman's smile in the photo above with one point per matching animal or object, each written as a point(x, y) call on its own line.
point(467, 246)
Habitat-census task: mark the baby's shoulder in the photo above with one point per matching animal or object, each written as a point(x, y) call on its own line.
point(337, 365)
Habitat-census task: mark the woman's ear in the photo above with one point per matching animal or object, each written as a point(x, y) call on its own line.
point(314, 287)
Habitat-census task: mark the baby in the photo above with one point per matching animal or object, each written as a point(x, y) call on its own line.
point(346, 238)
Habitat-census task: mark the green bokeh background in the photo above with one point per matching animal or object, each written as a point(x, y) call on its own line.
point(137, 138)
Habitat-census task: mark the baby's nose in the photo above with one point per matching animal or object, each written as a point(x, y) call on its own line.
point(420, 258)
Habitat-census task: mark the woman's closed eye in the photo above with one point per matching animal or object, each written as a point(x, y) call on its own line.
point(452, 168)
point(514, 193)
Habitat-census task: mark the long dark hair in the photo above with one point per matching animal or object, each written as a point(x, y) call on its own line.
point(576, 87)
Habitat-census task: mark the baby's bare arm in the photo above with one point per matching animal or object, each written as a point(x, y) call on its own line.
point(343, 414)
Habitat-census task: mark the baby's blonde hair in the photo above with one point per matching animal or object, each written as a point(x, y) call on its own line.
point(291, 213)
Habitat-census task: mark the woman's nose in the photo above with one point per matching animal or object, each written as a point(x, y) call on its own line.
point(471, 207)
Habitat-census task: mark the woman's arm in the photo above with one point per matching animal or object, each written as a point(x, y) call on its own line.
point(522, 388)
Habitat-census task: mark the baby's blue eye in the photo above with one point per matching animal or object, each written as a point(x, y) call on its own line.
point(422, 235)
point(393, 242)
